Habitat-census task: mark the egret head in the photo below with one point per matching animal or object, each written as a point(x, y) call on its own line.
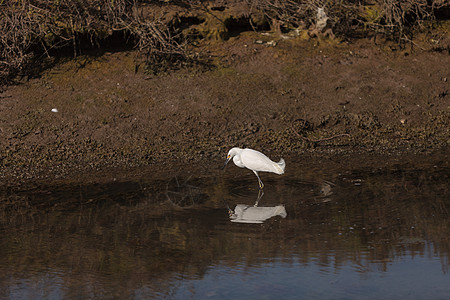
point(231, 154)
point(232, 215)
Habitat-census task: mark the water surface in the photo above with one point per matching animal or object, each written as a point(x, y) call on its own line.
point(359, 232)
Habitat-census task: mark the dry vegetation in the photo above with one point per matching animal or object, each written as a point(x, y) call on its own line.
point(387, 16)
point(37, 28)
point(34, 29)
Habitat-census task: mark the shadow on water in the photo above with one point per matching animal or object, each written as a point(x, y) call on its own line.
point(328, 234)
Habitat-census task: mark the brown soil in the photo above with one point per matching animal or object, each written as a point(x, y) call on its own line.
point(280, 98)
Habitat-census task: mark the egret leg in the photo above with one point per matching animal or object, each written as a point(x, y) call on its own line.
point(260, 194)
point(261, 184)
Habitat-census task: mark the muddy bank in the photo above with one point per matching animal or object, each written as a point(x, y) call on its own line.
point(282, 96)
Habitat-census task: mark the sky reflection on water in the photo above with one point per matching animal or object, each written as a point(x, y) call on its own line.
point(404, 279)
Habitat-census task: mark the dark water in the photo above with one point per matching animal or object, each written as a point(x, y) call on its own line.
point(347, 233)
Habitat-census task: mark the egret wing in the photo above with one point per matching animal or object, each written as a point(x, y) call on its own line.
point(256, 161)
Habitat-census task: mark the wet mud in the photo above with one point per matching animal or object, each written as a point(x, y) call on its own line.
point(292, 97)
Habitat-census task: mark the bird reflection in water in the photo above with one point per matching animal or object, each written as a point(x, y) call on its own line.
point(255, 214)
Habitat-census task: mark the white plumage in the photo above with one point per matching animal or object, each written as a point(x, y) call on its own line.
point(255, 161)
point(252, 214)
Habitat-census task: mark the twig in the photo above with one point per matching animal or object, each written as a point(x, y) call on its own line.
point(412, 42)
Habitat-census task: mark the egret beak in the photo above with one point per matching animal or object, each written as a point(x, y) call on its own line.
point(226, 162)
point(230, 211)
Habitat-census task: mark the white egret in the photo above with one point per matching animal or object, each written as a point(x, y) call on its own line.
point(255, 161)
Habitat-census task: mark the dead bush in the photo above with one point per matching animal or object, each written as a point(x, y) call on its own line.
point(398, 19)
point(290, 14)
point(33, 28)
point(19, 30)
point(394, 18)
